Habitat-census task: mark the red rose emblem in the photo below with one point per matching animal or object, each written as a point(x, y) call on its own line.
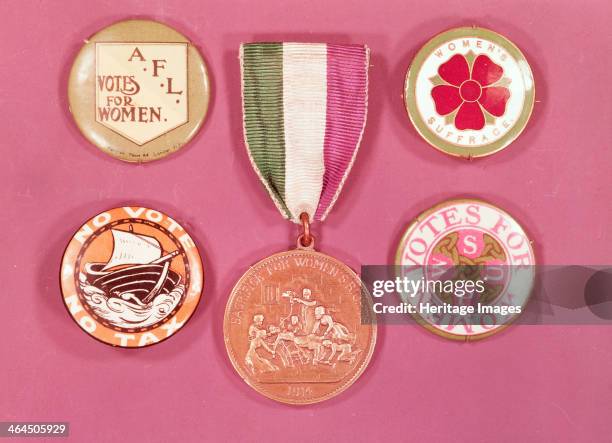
point(471, 92)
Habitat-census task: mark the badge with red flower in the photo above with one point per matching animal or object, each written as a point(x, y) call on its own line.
point(469, 92)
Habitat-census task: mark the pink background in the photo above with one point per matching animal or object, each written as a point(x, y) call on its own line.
point(529, 383)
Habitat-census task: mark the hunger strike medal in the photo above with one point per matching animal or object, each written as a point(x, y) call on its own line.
point(131, 277)
point(138, 90)
point(469, 92)
point(293, 325)
point(473, 237)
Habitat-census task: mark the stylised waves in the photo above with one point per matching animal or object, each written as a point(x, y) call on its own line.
point(128, 311)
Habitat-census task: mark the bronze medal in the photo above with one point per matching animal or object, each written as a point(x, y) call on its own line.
point(294, 326)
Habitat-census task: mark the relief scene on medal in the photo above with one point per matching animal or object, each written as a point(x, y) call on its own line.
point(299, 333)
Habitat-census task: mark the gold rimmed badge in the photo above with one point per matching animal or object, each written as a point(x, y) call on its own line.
point(468, 235)
point(138, 90)
point(469, 92)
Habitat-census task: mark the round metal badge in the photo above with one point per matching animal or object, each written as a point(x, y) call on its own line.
point(469, 92)
point(476, 238)
point(131, 277)
point(138, 90)
point(294, 330)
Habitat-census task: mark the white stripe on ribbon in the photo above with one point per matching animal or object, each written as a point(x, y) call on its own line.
point(305, 104)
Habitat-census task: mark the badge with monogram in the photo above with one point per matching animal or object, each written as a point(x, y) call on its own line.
point(470, 240)
point(293, 323)
point(469, 92)
point(138, 90)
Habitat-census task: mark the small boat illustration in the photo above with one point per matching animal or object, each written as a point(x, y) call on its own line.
point(136, 268)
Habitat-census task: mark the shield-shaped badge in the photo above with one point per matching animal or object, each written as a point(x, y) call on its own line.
point(141, 88)
point(138, 90)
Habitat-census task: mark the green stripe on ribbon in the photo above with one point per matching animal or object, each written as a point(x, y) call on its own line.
point(263, 114)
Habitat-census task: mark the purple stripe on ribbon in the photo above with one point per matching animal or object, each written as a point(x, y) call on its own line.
point(346, 113)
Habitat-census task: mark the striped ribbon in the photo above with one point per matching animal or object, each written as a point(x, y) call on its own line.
point(304, 111)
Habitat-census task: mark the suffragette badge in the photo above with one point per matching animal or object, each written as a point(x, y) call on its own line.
point(138, 90)
point(131, 277)
point(469, 92)
point(467, 239)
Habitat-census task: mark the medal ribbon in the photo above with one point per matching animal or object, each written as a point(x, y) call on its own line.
point(304, 112)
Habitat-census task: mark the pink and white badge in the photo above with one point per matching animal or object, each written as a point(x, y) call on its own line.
point(468, 236)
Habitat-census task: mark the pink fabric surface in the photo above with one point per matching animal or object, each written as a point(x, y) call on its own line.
point(530, 383)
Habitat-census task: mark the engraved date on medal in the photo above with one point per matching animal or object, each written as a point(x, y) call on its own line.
point(299, 391)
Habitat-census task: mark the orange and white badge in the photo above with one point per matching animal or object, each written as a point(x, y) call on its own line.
point(131, 277)
point(469, 92)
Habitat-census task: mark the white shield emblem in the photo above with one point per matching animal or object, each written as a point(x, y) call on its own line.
point(141, 88)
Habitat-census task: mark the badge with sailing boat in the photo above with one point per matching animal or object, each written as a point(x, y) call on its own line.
point(131, 277)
